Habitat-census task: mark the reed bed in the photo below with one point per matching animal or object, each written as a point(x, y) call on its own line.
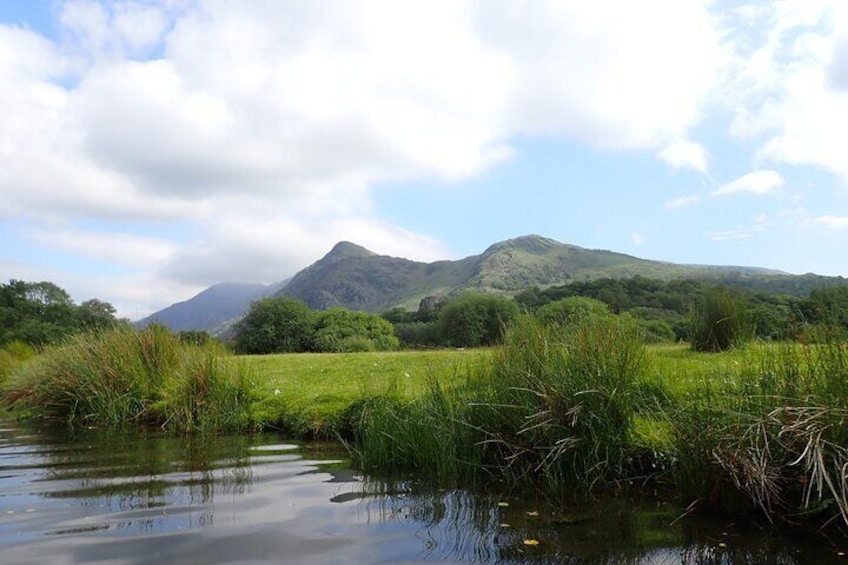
point(125, 377)
point(551, 405)
point(771, 436)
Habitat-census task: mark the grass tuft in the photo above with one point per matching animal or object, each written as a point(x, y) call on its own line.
point(127, 377)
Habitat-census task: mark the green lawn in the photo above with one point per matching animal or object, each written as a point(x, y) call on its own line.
point(308, 393)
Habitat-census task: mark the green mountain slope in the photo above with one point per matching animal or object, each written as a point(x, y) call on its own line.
point(356, 278)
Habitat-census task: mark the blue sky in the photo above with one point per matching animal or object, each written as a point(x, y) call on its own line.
point(151, 148)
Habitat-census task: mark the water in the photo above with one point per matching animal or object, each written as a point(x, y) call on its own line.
point(92, 497)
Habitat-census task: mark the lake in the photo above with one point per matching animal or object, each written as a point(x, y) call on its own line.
point(95, 497)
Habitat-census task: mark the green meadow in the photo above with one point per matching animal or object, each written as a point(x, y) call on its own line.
point(313, 394)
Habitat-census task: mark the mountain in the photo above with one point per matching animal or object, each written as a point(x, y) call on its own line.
point(212, 308)
point(356, 278)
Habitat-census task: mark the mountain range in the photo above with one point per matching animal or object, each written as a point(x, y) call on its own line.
point(356, 278)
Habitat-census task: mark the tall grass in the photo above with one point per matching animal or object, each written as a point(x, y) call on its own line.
point(557, 402)
point(128, 377)
point(12, 355)
point(552, 404)
point(426, 433)
point(717, 321)
point(774, 438)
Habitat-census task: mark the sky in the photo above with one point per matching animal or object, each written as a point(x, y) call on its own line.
point(152, 148)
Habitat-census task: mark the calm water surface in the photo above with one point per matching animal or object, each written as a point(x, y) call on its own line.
point(90, 497)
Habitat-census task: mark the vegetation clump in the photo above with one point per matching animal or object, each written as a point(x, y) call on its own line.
point(476, 320)
point(554, 403)
point(41, 313)
point(125, 377)
point(718, 321)
point(771, 437)
point(284, 325)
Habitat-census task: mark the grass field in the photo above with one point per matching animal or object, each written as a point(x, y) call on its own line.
point(308, 394)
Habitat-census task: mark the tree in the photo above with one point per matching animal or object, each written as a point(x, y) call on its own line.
point(278, 324)
point(473, 320)
point(342, 330)
point(35, 313)
point(96, 315)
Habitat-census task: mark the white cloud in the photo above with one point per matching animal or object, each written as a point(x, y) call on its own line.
point(682, 202)
point(260, 127)
point(611, 73)
point(788, 90)
point(637, 238)
point(757, 182)
point(255, 248)
point(685, 155)
point(112, 247)
point(832, 222)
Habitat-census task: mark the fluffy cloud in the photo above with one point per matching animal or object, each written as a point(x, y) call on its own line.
point(258, 128)
point(832, 222)
point(685, 155)
point(757, 182)
point(111, 247)
point(607, 72)
point(788, 90)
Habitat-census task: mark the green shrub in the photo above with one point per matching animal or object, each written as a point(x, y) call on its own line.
point(553, 403)
point(557, 402)
point(571, 310)
point(474, 320)
point(770, 436)
point(275, 325)
point(342, 330)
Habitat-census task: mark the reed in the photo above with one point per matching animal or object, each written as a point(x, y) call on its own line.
point(772, 437)
point(552, 404)
point(127, 377)
point(557, 402)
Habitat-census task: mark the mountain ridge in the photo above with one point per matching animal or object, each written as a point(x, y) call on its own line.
point(354, 277)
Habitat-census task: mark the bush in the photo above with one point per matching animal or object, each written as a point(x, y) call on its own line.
point(571, 310)
point(558, 402)
point(554, 403)
point(770, 435)
point(474, 320)
point(342, 330)
point(275, 325)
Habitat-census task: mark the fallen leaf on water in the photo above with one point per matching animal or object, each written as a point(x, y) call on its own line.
point(504, 525)
point(533, 514)
point(722, 544)
point(503, 504)
point(531, 542)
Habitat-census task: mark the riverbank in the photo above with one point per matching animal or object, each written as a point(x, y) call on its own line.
point(757, 431)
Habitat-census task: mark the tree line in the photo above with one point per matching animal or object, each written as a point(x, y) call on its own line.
point(709, 316)
point(40, 313)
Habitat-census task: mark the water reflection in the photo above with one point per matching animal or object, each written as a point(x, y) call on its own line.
point(144, 498)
